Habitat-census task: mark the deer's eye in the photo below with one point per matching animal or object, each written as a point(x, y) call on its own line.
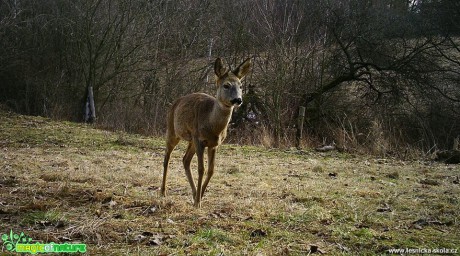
point(226, 86)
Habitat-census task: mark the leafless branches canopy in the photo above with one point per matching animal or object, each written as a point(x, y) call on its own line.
point(380, 74)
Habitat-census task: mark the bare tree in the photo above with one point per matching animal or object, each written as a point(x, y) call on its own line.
point(366, 64)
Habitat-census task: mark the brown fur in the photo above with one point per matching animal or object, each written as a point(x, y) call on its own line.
point(202, 120)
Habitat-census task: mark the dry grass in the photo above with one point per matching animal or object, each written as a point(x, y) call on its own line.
point(65, 182)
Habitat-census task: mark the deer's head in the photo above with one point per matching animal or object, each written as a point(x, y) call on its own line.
point(228, 83)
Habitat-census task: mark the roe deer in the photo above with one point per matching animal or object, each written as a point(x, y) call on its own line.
point(202, 120)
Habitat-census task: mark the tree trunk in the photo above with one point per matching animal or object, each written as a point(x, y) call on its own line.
point(90, 109)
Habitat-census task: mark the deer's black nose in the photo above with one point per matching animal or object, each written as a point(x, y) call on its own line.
point(237, 101)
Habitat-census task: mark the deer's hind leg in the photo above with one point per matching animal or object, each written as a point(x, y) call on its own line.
point(171, 143)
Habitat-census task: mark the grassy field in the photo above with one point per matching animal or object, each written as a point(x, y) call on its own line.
point(64, 182)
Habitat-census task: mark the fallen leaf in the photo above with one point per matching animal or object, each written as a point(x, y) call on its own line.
point(362, 225)
point(343, 248)
point(117, 216)
point(326, 221)
point(45, 222)
point(59, 224)
point(393, 175)
point(248, 218)
point(112, 204)
point(139, 238)
point(147, 233)
point(420, 223)
point(154, 242)
point(65, 238)
point(218, 214)
point(385, 208)
point(258, 232)
point(152, 209)
point(315, 249)
point(429, 182)
point(416, 226)
point(99, 238)
point(106, 200)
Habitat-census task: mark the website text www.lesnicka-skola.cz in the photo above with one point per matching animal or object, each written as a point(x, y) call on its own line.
point(422, 251)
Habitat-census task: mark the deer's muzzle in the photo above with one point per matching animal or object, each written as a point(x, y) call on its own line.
point(237, 101)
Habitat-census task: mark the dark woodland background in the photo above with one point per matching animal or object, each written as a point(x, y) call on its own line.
point(375, 76)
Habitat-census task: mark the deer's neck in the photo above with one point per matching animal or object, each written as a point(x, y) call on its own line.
point(220, 117)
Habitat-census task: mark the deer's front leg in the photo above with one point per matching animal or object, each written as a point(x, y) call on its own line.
point(211, 160)
point(199, 152)
point(186, 161)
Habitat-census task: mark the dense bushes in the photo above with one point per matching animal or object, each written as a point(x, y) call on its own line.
point(378, 76)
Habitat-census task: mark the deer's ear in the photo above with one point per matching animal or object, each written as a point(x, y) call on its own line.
point(243, 69)
point(219, 68)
